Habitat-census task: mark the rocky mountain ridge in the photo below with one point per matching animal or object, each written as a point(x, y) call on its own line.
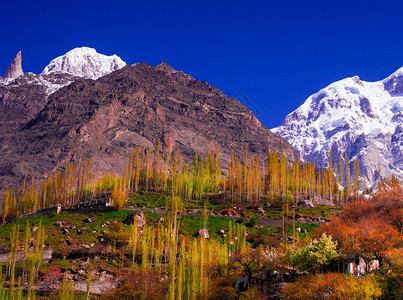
point(15, 68)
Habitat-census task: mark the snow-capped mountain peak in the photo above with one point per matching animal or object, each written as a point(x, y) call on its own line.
point(84, 62)
point(363, 118)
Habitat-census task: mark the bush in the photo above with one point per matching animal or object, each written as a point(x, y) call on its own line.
point(223, 293)
point(332, 286)
point(118, 198)
point(252, 222)
point(139, 284)
point(118, 234)
point(240, 220)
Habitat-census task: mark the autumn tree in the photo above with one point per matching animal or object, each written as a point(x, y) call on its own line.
point(118, 198)
point(376, 237)
point(341, 232)
point(390, 189)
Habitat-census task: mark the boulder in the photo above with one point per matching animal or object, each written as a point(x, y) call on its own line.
point(202, 232)
point(58, 224)
point(305, 203)
point(141, 219)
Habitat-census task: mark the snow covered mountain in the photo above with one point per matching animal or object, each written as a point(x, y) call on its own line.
point(81, 62)
point(363, 118)
point(84, 62)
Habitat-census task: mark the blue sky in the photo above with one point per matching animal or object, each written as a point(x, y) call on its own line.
point(276, 53)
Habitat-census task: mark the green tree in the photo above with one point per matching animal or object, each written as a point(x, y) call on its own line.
point(317, 253)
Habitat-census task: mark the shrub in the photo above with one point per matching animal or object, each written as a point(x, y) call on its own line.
point(332, 286)
point(118, 198)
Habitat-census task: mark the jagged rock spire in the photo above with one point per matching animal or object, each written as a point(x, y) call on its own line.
point(15, 68)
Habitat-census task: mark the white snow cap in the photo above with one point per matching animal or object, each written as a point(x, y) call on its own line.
point(365, 118)
point(84, 62)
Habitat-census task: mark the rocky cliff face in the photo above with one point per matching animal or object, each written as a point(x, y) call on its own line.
point(363, 118)
point(15, 68)
point(139, 104)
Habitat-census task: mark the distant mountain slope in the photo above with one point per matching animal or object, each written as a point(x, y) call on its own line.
point(139, 104)
point(363, 118)
point(22, 96)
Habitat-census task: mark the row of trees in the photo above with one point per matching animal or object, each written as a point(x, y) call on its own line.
point(247, 180)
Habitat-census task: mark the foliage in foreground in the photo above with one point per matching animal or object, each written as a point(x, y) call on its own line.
point(333, 286)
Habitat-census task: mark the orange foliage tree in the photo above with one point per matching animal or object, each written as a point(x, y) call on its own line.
point(343, 233)
point(368, 228)
point(375, 238)
point(118, 198)
point(391, 189)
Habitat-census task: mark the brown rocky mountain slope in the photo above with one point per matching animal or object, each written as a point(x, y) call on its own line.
point(106, 119)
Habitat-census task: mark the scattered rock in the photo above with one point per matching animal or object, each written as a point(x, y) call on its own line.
point(88, 220)
point(34, 229)
point(141, 219)
point(197, 212)
point(81, 272)
point(221, 233)
point(47, 254)
point(202, 232)
point(83, 264)
point(305, 203)
point(228, 212)
point(86, 246)
point(161, 220)
point(58, 224)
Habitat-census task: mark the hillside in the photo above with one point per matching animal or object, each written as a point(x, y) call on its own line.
point(105, 119)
